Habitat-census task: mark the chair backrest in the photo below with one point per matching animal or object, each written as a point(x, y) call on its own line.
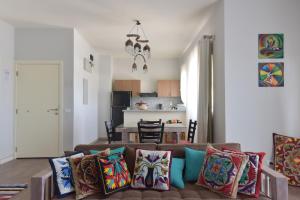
point(109, 130)
point(191, 131)
point(151, 133)
point(150, 122)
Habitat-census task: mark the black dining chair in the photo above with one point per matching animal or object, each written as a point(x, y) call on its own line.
point(150, 122)
point(191, 133)
point(151, 132)
point(112, 135)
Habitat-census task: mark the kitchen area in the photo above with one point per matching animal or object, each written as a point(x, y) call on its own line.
point(130, 105)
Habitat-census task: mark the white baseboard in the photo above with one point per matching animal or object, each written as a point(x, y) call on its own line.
point(7, 159)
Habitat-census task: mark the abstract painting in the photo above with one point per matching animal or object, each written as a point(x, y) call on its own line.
point(270, 45)
point(271, 74)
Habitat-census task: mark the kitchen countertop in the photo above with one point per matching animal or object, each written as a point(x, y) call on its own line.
point(152, 110)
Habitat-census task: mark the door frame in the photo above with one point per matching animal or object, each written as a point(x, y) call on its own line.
point(60, 94)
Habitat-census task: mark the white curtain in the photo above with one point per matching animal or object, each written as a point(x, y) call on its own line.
point(205, 98)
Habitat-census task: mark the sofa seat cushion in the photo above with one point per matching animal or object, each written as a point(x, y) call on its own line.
point(190, 192)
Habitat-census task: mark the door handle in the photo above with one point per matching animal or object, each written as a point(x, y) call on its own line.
point(52, 109)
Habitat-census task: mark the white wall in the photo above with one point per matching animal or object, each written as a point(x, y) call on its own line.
point(6, 91)
point(85, 116)
point(158, 69)
point(254, 113)
point(104, 94)
point(212, 24)
point(51, 44)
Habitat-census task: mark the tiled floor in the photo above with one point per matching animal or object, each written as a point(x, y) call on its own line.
point(20, 171)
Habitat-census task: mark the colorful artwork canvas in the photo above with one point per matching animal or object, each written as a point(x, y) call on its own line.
point(270, 46)
point(271, 74)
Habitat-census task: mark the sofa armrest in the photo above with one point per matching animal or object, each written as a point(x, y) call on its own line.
point(274, 184)
point(41, 187)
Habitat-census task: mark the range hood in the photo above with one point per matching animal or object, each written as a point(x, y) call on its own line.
point(148, 94)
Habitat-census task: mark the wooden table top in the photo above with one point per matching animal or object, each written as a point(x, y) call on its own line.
point(171, 127)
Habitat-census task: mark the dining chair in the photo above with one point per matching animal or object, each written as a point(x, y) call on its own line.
point(151, 132)
point(112, 135)
point(191, 133)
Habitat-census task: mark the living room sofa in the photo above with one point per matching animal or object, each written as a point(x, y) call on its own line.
point(274, 184)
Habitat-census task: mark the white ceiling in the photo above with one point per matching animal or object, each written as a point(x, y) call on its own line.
point(168, 24)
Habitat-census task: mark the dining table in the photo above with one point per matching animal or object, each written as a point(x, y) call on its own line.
point(132, 128)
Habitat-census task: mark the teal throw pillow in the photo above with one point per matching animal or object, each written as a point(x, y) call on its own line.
point(177, 167)
point(194, 160)
point(112, 151)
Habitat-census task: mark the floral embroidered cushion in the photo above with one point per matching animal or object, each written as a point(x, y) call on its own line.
point(85, 176)
point(287, 157)
point(250, 181)
point(114, 172)
point(152, 170)
point(62, 175)
point(222, 171)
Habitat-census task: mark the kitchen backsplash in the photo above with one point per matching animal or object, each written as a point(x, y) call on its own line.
point(154, 101)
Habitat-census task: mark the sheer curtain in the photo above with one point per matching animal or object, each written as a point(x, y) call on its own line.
point(205, 98)
point(189, 84)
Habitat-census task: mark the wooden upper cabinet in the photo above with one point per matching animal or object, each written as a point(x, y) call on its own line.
point(168, 88)
point(128, 85)
point(163, 88)
point(136, 87)
point(175, 88)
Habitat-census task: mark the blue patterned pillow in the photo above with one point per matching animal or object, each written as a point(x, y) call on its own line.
point(62, 175)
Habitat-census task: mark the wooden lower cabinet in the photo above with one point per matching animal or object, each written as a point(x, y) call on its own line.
point(128, 85)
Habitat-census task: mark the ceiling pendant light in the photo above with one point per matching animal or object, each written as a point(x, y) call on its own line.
point(129, 46)
point(134, 67)
point(138, 46)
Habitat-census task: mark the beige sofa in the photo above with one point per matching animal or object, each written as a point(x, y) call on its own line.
point(274, 185)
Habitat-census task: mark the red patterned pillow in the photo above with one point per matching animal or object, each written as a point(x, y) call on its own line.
point(287, 157)
point(250, 182)
point(222, 171)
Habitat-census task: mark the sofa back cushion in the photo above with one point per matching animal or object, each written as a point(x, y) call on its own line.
point(178, 149)
point(88, 147)
point(129, 150)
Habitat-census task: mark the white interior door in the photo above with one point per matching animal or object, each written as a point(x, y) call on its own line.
point(37, 114)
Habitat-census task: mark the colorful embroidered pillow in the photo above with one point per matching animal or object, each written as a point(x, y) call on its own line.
point(250, 181)
point(84, 171)
point(194, 160)
point(222, 171)
point(177, 167)
point(287, 157)
point(113, 172)
point(62, 175)
point(152, 170)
